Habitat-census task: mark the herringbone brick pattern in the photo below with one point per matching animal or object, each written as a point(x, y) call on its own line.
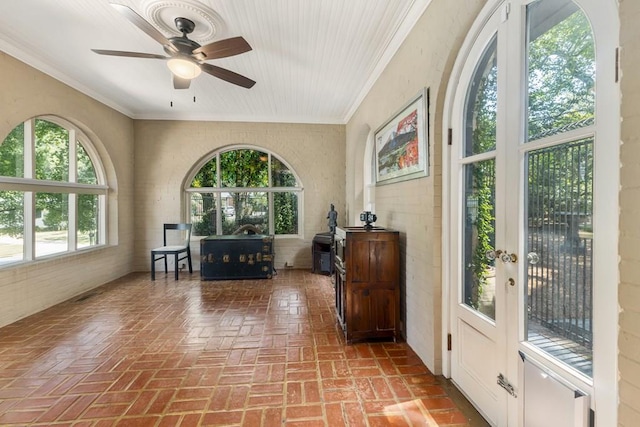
point(191, 353)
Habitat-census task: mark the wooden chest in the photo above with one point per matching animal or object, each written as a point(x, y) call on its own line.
point(244, 256)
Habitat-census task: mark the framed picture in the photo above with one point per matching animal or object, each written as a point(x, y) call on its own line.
point(402, 143)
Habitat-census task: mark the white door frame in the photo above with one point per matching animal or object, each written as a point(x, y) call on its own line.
point(604, 18)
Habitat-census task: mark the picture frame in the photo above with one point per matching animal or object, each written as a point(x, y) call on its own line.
point(402, 142)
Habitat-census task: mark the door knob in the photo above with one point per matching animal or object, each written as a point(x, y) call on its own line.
point(533, 258)
point(492, 254)
point(506, 257)
point(502, 255)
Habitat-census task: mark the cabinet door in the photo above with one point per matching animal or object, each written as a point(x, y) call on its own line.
point(373, 312)
point(358, 263)
point(383, 258)
point(384, 310)
point(360, 322)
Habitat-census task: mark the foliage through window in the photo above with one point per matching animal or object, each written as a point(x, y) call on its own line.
point(244, 186)
point(50, 188)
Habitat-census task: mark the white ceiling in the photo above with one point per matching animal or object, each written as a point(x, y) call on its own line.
point(313, 60)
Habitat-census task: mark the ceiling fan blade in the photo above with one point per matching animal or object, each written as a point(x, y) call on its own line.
point(129, 54)
point(227, 75)
point(224, 48)
point(179, 83)
point(141, 23)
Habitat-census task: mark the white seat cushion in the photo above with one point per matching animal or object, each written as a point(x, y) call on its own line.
point(169, 248)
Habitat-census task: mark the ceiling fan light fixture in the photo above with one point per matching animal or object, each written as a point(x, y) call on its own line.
point(184, 68)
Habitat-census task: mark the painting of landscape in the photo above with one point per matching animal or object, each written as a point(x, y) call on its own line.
point(401, 145)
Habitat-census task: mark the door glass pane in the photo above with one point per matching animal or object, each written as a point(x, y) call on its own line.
point(479, 237)
point(561, 69)
point(482, 104)
point(52, 223)
point(559, 252)
point(11, 226)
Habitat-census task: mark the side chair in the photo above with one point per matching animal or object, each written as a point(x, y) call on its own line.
point(175, 249)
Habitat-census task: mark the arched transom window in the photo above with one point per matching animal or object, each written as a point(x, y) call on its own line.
point(244, 186)
point(52, 191)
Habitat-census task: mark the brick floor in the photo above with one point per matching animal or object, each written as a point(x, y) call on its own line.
point(218, 353)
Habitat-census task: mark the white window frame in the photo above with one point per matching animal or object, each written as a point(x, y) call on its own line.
point(29, 186)
point(299, 189)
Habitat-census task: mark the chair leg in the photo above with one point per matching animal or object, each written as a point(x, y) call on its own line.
point(153, 266)
point(165, 264)
point(176, 266)
point(189, 259)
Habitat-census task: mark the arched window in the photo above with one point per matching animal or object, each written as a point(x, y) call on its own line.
point(52, 191)
point(244, 186)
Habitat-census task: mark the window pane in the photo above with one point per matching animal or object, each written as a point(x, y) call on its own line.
point(249, 208)
point(281, 176)
point(52, 151)
point(244, 168)
point(479, 237)
point(12, 153)
point(86, 171)
point(285, 207)
point(52, 223)
point(88, 214)
point(562, 68)
point(203, 213)
point(11, 226)
point(206, 177)
point(482, 104)
point(559, 252)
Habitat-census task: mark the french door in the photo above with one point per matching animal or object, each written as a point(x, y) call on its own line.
point(529, 251)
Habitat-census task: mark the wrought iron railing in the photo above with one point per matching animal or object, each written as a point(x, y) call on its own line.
point(560, 285)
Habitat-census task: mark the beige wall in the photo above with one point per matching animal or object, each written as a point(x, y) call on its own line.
point(414, 207)
point(167, 151)
point(29, 288)
point(629, 291)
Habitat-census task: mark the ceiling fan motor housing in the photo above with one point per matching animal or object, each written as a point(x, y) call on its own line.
point(184, 25)
point(184, 45)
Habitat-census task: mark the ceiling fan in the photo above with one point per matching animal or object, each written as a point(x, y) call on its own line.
point(186, 57)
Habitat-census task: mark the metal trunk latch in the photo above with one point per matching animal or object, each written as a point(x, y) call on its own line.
point(502, 382)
